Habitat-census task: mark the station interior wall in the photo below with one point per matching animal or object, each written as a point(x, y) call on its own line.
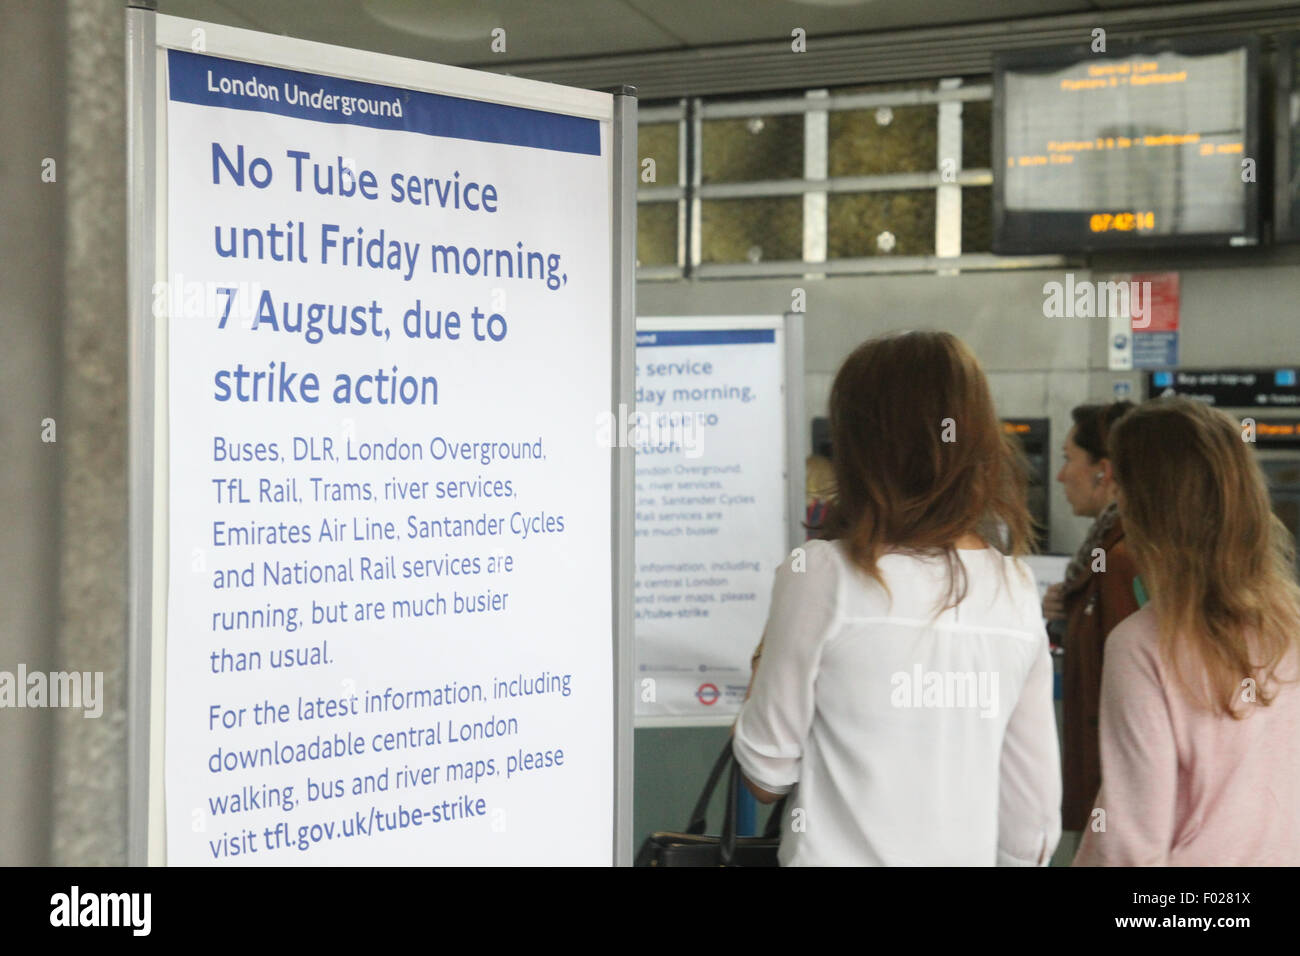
point(63, 334)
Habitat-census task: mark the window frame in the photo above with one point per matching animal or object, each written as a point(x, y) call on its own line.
point(690, 193)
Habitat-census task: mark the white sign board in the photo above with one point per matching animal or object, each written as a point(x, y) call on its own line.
point(711, 507)
point(1048, 569)
point(389, 345)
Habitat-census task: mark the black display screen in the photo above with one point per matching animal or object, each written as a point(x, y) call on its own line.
point(1143, 147)
point(1286, 190)
point(1229, 387)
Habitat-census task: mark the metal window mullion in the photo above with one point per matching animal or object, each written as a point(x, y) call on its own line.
point(882, 265)
point(754, 189)
point(683, 182)
point(658, 194)
point(662, 114)
point(658, 272)
point(870, 101)
point(784, 105)
point(885, 182)
point(947, 203)
point(695, 128)
point(816, 143)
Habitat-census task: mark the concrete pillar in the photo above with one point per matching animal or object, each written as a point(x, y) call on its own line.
point(31, 289)
point(89, 792)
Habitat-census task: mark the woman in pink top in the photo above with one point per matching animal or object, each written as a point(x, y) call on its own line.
point(1200, 708)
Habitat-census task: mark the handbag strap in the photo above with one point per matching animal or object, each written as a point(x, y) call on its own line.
point(728, 840)
point(727, 760)
point(772, 831)
point(699, 814)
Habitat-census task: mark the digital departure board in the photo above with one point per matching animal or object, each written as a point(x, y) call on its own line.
point(1286, 189)
point(1139, 147)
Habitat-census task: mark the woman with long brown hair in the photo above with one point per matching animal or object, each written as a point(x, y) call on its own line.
point(905, 687)
point(1200, 707)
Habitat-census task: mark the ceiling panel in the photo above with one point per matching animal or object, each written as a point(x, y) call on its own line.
point(539, 33)
point(705, 24)
point(445, 31)
point(211, 11)
point(1117, 4)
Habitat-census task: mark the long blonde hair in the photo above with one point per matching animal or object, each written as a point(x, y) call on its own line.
point(1219, 566)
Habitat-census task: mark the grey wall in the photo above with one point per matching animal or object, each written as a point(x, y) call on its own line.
point(1036, 366)
point(63, 356)
point(1238, 308)
point(671, 766)
point(31, 283)
point(89, 793)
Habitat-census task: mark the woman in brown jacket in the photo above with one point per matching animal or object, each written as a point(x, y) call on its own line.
point(1096, 595)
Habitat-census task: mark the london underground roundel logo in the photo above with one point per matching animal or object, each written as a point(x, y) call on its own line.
point(708, 694)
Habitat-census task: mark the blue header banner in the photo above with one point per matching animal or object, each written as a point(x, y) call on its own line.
point(706, 337)
point(234, 84)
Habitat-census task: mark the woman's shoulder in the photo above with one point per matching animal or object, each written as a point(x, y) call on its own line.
point(1133, 646)
point(1116, 540)
point(813, 566)
point(1021, 575)
point(831, 563)
point(819, 554)
point(1012, 581)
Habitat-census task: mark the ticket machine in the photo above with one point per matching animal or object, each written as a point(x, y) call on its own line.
point(1035, 437)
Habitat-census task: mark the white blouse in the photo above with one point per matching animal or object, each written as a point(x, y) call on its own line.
point(908, 739)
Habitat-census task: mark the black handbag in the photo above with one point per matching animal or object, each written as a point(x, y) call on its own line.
point(694, 848)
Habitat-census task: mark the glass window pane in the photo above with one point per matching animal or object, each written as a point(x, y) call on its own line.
point(977, 134)
point(747, 150)
point(891, 139)
point(977, 219)
point(658, 141)
point(880, 224)
point(751, 230)
point(656, 233)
